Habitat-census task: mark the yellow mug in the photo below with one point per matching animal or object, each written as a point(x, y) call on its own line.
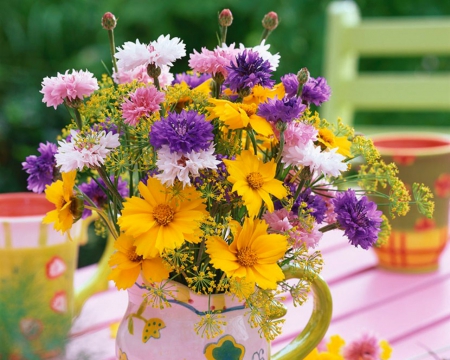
point(37, 265)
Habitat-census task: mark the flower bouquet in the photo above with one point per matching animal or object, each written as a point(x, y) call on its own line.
point(215, 178)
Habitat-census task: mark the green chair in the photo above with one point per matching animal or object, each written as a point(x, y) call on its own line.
point(348, 37)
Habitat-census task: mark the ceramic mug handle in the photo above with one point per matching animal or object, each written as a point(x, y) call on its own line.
point(318, 323)
point(99, 280)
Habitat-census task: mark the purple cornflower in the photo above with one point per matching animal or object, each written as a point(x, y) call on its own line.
point(359, 219)
point(41, 169)
point(184, 132)
point(285, 110)
point(192, 80)
point(316, 91)
point(250, 70)
point(290, 83)
point(315, 204)
point(95, 192)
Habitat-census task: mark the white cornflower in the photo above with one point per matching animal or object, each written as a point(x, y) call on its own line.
point(178, 165)
point(85, 150)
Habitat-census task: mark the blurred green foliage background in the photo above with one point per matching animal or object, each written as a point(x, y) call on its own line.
point(39, 38)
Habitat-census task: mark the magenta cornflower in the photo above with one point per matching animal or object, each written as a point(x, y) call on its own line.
point(249, 70)
point(284, 110)
point(68, 86)
point(359, 218)
point(316, 91)
point(183, 132)
point(42, 168)
point(364, 348)
point(94, 190)
point(143, 102)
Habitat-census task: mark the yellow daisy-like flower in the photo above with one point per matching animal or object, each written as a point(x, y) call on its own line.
point(239, 116)
point(261, 94)
point(67, 205)
point(163, 218)
point(327, 138)
point(252, 255)
point(127, 264)
point(254, 181)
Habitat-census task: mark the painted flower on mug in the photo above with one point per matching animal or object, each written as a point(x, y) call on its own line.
point(442, 185)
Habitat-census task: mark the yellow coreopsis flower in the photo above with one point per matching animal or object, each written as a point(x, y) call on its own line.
point(239, 116)
point(68, 207)
point(254, 181)
point(327, 138)
point(163, 218)
point(261, 94)
point(127, 264)
point(252, 255)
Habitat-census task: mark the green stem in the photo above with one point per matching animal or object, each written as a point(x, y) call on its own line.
point(223, 35)
point(112, 48)
point(329, 227)
point(78, 119)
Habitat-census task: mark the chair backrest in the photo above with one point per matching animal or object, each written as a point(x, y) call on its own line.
point(348, 37)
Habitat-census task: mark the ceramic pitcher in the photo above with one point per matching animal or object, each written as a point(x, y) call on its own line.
point(37, 265)
point(169, 333)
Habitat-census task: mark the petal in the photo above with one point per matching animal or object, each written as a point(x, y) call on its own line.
point(154, 270)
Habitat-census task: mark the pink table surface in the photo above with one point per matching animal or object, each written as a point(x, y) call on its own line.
point(411, 311)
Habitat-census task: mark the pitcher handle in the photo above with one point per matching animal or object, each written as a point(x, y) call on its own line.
point(318, 323)
point(98, 282)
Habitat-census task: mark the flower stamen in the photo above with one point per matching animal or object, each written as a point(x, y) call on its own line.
point(255, 180)
point(247, 257)
point(163, 214)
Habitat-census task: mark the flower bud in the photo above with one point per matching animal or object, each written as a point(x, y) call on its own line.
point(153, 71)
point(303, 76)
point(270, 21)
point(225, 17)
point(109, 21)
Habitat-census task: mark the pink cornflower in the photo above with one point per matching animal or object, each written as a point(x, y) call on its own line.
point(141, 75)
point(278, 220)
point(308, 236)
point(364, 348)
point(143, 102)
point(176, 165)
point(88, 150)
point(68, 86)
point(162, 52)
point(299, 133)
point(213, 62)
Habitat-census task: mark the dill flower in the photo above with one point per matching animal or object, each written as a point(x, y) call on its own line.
point(254, 181)
point(163, 218)
point(127, 264)
point(41, 169)
point(252, 255)
point(68, 206)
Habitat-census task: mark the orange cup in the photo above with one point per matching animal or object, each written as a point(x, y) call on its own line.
point(416, 242)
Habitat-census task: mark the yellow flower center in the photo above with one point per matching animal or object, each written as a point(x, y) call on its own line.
point(247, 257)
point(163, 214)
point(132, 256)
point(255, 180)
point(250, 109)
